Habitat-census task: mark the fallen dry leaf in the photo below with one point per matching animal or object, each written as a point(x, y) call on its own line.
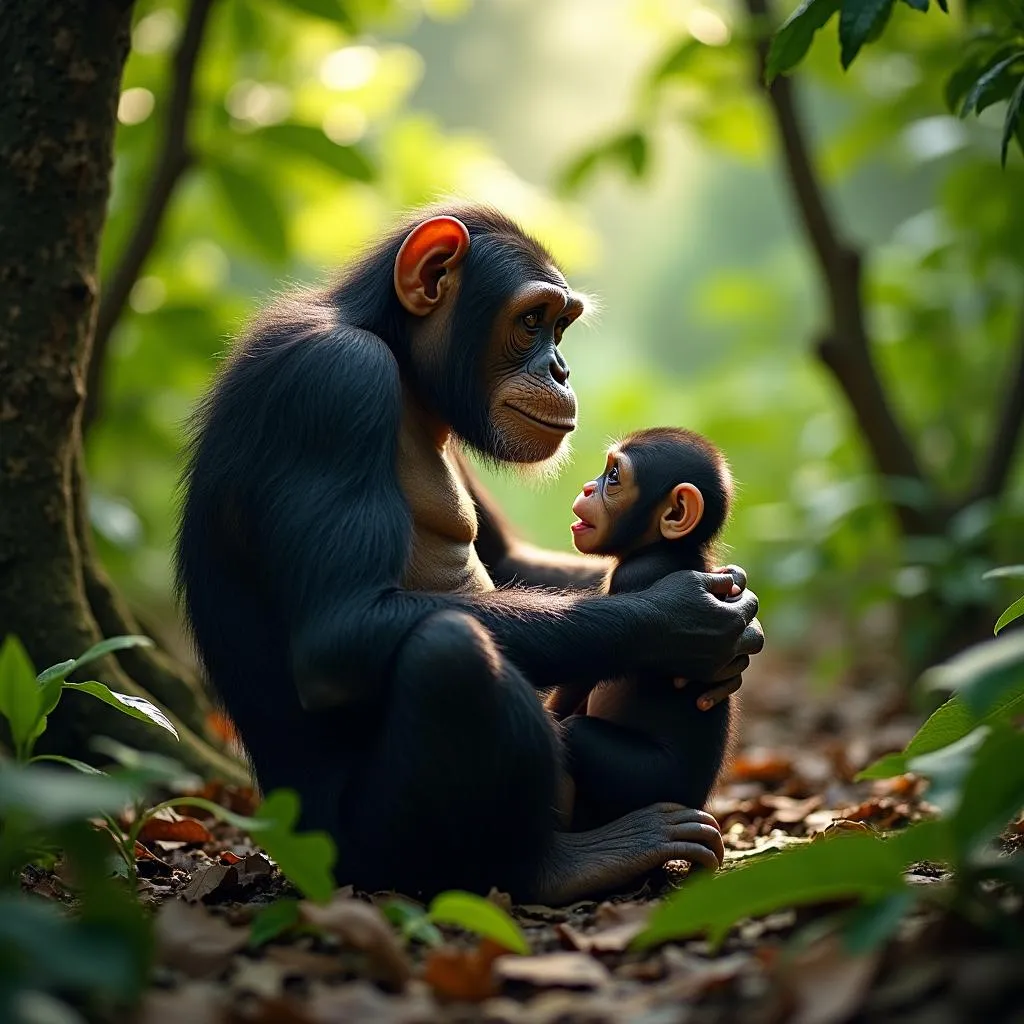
point(207, 880)
point(363, 927)
point(360, 1001)
point(553, 970)
point(842, 825)
point(761, 766)
point(464, 975)
point(827, 982)
point(173, 827)
point(192, 940)
point(197, 1002)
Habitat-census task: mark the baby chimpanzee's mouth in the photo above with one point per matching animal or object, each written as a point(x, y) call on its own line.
point(580, 525)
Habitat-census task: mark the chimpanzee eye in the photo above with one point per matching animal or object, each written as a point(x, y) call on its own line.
point(531, 320)
point(613, 474)
point(560, 328)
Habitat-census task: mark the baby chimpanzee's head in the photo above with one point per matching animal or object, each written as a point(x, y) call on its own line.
point(664, 483)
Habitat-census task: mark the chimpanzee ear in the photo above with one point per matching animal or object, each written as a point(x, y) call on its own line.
point(428, 253)
point(685, 512)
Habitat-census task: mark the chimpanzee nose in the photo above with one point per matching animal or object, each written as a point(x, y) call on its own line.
point(588, 489)
point(559, 369)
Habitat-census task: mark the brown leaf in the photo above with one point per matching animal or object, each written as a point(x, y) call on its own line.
point(828, 983)
point(206, 881)
point(361, 926)
point(197, 1002)
point(842, 825)
point(227, 857)
point(553, 970)
point(173, 827)
point(615, 939)
point(360, 1001)
point(465, 975)
point(192, 940)
point(761, 766)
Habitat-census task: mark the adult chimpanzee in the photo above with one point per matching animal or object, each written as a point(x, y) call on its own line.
point(339, 578)
point(658, 507)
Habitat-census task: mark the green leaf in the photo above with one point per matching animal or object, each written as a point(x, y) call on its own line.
point(1005, 572)
point(270, 922)
point(59, 671)
point(793, 40)
point(51, 796)
point(984, 675)
point(947, 724)
point(20, 696)
point(254, 208)
point(306, 859)
point(632, 150)
point(993, 791)
point(71, 762)
point(846, 866)
point(871, 926)
point(57, 951)
point(126, 703)
point(574, 176)
point(310, 141)
point(108, 646)
point(329, 10)
point(1013, 114)
point(678, 59)
point(144, 767)
point(992, 86)
point(478, 915)
point(947, 768)
point(1016, 610)
point(859, 22)
point(412, 921)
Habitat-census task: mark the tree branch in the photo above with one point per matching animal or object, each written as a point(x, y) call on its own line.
point(993, 474)
point(845, 350)
point(172, 161)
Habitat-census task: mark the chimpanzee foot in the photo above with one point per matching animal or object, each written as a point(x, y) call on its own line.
point(587, 863)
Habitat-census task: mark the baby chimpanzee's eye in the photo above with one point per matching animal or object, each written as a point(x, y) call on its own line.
point(612, 476)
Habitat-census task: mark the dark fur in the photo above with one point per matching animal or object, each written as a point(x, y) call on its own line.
point(406, 721)
point(680, 752)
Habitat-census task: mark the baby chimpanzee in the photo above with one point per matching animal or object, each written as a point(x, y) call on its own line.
point(661, 501)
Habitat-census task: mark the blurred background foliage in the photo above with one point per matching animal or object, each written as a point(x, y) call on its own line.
point(631, 137)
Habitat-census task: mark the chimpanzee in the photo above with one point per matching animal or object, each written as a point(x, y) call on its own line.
point(658, 507)
point(348, 590)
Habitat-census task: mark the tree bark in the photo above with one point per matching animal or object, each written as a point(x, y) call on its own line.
point(60, 72)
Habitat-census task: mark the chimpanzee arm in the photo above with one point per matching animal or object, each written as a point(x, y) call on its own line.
point(322, 410)
point(511, 560)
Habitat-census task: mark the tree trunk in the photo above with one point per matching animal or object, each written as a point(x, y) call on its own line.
point(60, 73)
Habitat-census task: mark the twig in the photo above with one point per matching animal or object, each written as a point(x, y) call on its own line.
point(172, 160)
point(845, 350)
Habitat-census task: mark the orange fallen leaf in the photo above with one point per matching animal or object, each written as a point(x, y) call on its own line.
point(761, 766)
point(464, 975)
point(173, 827)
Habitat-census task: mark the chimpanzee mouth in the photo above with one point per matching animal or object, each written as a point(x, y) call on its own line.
point(562, 426)
point(581, 525)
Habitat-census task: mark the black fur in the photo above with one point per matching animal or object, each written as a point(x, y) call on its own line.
point(406, 721)
point(679, 752)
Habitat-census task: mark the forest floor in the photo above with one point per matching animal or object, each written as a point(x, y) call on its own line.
point(792, 778)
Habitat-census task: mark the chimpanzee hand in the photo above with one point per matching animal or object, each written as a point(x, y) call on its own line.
point(699, 629)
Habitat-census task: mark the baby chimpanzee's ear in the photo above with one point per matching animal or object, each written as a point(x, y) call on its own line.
point(684, 513)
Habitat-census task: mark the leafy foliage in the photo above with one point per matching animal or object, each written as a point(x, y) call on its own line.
point(974, 759)
point(478, 915)
point(992, 71)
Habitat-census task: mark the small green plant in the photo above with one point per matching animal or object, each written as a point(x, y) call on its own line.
point(971, 752)
point(1016, 610)
point(27, 699)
